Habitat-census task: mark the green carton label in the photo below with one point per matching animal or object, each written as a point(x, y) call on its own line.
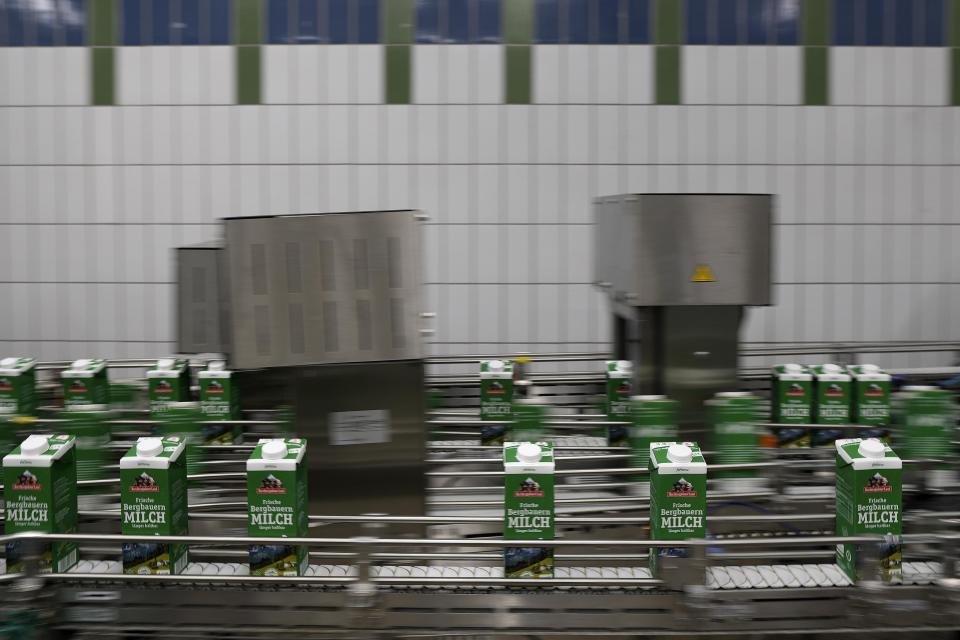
point(619, 389)
point(42, 497)
point(735, 433)
point(653, 420)
point(678, 500)
point(528, 512)
point(277, 507)
point(18, 386)
point(153, 501)
point(869, 502)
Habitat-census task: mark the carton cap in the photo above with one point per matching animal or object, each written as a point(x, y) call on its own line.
point(872, 448)
point(793, 367)
point(495, 365)
point(679, 453)
point(652, 396)
point(81, 363)
point(216, 365)
point(832, 368)
point(34, 446)
point(918, 387)
point(624, 365)
point(733, 394)
point(274, 449)
point(869, 368)
point(529, 452)
point(8, 362)
point(149, 447)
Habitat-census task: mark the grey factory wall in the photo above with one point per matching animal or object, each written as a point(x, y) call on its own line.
point(129, 127)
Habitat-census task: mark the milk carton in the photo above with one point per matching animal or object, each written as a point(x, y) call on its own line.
point(528, 502)
point(734, 417)
point(40, 490)
point(496, 398)
point(926, 420)
point(153, 501)
point(619, 385)
point(678, 497)
point(653, 419)
point(219, 400)
point(871, 399)
point(88, 424)
point(832, 402)
point(277, 506)
point(183, 419)
point(792, 403)
point(18, 379)
point(85, 382)
point(168, 381)
point(529, 419)
point(869, 502)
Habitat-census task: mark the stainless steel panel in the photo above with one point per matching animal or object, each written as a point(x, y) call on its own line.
point(201, 299)
point(649, 246)
point(352, 479)
point(324, 288)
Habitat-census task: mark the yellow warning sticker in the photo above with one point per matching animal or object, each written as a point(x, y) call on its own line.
point(703, 273)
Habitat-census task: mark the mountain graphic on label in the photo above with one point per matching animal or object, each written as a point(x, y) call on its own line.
point(795, 390)
point(834, 391)
point(877, 484)
point(27, 480)
point(682, 488)
point(271, 484)
point(145, 482)
point(529, 488)
point(873, 390)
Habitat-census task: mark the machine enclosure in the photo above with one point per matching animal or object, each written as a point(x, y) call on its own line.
point(277, 507)
point(528, 498)
point(153, 501)
point(18, 379)
point(41, 495)
point(869, 502)
point(678, 500)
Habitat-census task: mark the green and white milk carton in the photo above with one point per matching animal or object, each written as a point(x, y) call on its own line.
point(619, 385)
point(168, 381)
point(734, 416)
point(277, 506)
point(792, 403)
point(926, 419)
point(871, 399)
point(529, 512)
point(89, 424)
point(86, 382)
point(153, 501)
point(40, 491)
point(219, 400)
point(183, 419)
point(529, 419)
point(18, 381)
point(653, 419)
point(678, 497)
point(832, 402)
point(496, 398)
point(869, 502)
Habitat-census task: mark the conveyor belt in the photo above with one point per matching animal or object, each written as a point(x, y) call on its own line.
point(766, 576)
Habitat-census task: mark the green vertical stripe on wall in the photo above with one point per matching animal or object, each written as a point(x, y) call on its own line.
point(519, 71)
point(102, 90)
point(816, 78)
point(103, 20)
point(248, 75)
point(398, 73)
point(667, 22)
point(397, 35)
point(953, 23)
point(668, 74)
point(815, 22)
point(518, 22)
point(398, 21)
point(247, 21)
point(518, 57)
point(955, 77)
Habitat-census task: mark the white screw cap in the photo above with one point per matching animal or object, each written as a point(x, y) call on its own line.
point(679, 453)
point(832, 368)
point(149, 447)
point(82, 363)
point(529, 452)
point(274, 449)
point(624, 365)
point(216, 365)
point(871, 448)
point(164, 363)
point(8, 362)
point(870, 368)
point(793, 367)
point(34, 445)
point(495, 365)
